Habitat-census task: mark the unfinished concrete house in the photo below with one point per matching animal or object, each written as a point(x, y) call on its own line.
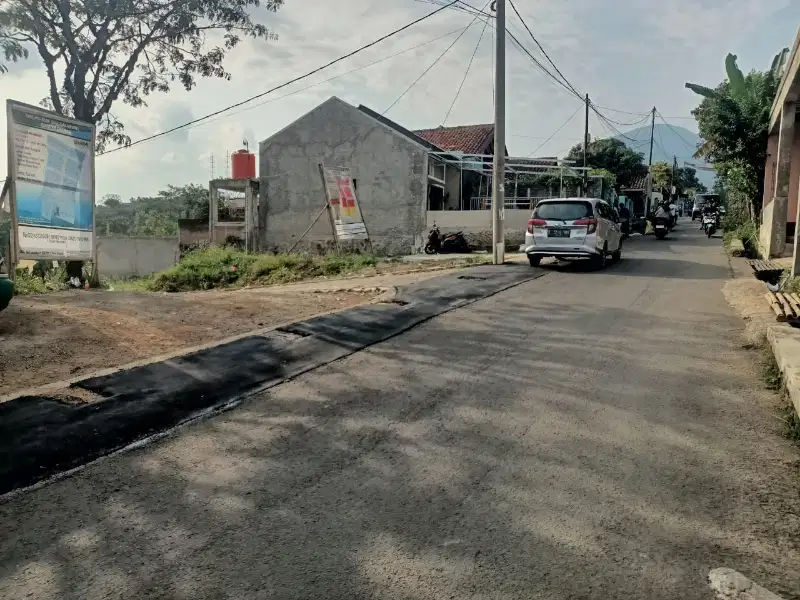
point(389, 167)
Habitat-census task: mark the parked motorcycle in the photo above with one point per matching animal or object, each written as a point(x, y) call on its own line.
point(661, 226)
point(450, 243)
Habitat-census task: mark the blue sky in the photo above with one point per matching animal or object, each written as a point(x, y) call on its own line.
point(627, 54)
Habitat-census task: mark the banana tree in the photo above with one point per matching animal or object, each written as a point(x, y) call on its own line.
point(733, 119)
point(741, 88)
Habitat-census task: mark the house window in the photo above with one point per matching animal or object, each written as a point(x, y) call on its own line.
point(436, 171)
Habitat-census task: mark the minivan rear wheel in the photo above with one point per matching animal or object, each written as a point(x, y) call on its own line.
point(599, 260)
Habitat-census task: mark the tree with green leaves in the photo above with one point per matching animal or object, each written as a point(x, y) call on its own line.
point(687, 182)
point(10, 47)
point(685, 179)
point(152, 216)
point(98, 52)
point(614, 156)
point(733, 118)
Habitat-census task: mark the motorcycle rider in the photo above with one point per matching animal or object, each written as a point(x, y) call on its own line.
point(625, 218)
point(712, 208)
point(662, 212)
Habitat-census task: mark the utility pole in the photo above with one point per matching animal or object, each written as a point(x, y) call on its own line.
point(650, 165)
point(672, 188)
point(499, 166)
point(586, 149)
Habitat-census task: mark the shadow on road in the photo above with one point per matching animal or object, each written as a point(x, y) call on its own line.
point(550, 455)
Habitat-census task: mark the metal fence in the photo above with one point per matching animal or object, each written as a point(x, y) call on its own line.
point(485, 203)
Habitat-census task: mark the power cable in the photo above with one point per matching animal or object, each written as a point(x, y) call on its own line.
point(433, 64)
point(533, 37)
point(308, 87)
point(291, 81)
point(624, 112)
point(522, 48)
point(539, 147)
point(631, 124)
point(674, 131)
point(611, 125)
point(466, 72)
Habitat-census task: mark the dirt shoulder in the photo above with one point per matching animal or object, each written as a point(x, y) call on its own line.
point(64, 335)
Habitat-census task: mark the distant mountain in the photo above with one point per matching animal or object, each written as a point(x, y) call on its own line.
point(669, 141)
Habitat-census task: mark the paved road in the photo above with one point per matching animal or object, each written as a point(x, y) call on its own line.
point(585, 435)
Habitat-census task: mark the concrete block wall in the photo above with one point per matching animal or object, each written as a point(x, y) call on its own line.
point(389, 169)
point(477, 225)
point(135, 256)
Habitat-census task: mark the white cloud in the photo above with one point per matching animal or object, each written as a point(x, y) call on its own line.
point(628, 54)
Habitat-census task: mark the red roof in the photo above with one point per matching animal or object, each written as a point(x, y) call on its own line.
point(469, 139)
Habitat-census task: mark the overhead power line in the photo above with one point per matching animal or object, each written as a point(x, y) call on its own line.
point(520, 46)
point(624, 112)
point(547, 56)
point(466, 72)
point(291, 81)
point(433, 64)
point(345, 74)
point(674, 131)
point(572, 116)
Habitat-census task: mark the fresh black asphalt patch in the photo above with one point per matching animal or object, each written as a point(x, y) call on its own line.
point(42, 436)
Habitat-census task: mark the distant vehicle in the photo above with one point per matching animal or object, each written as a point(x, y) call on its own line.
point(571, 228)
point(700, 200)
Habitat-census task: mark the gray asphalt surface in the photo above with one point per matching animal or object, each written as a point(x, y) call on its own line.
point(584, 435)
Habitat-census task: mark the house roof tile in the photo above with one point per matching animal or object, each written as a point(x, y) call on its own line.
point(639, 183)
point(469, 139)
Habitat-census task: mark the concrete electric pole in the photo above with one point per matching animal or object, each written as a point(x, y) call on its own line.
point(649, 199)
point(586, 150)
point(499, 166)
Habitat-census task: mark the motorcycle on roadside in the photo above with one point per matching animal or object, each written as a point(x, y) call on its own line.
point(451, 243)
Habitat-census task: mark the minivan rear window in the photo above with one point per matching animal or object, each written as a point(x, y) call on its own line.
point(563, 211)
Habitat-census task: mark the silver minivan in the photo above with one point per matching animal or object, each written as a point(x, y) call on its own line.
point(573, 228)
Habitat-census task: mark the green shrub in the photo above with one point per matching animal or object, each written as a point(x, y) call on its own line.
point(204, 270)
point(26, 283)
point(222, 267)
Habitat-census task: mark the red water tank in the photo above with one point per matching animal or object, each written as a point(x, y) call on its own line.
point(243, 165)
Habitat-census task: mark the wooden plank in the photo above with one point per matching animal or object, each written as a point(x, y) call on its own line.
point(794, 301)
point(787, 308)
point(776, 306)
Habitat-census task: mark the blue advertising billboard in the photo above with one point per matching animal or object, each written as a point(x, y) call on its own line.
point(51, 165)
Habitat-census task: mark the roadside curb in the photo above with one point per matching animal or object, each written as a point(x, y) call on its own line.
point(732, 585)
point(785, 344)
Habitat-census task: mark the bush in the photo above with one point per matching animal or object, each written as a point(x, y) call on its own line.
point(746, 232)
point(223, 267)
point(204, 270)
point(26, 283)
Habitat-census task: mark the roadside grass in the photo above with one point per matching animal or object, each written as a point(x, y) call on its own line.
point(745, 233)
point(773, 380)
point(789, 416)
point(789, 284)
point(225, 267)
point(771, 372)
point(212, 268)
point(27, 284)
point(127, 284)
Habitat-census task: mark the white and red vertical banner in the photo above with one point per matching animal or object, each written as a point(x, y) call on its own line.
point(341, 197)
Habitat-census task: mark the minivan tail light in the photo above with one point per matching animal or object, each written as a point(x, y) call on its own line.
point(535, 223)
point(591, 224)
